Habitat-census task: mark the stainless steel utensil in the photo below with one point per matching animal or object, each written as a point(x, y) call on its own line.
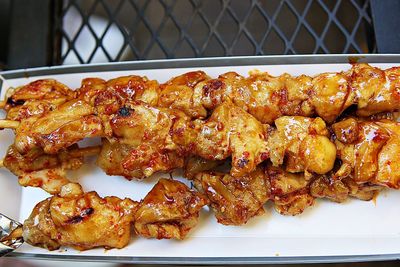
point(10, 235)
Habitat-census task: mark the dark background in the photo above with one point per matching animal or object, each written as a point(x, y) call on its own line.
point(53, 32)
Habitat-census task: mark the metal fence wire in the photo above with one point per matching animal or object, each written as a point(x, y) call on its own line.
point(102, 31)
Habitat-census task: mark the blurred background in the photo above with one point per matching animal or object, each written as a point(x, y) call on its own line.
point(55, 32)
point(59, 32)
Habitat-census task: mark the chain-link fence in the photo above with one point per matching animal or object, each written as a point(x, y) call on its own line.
point(102, 31)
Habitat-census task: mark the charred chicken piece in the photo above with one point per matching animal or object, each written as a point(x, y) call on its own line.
point(230, 131)
point(289, 191)
point(38, 169)
point(339, 190)
point(141, 142)
point(109, 96)
point(304, 143)
point(182, 93)
point(368, 151)
point(235, 200)
point(169, 210)
point(46, 89)
point(80, 220)
point(66, 125)
point(36, 98)
point(377, 90)
point(263, 96)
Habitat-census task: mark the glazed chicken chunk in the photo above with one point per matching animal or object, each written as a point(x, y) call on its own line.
point(230, 131)
point(80, 220)
point(66, 125)
point(38, 169)
point(38, 90)
point(339, 190)
point(234, 200)
point(169, 210)
point(107, 97)
point(141, 142)
point(182, 93)
point(368, 151)
point(304, 143)
point(289, 191)
point(35, 99)
point(377, 90)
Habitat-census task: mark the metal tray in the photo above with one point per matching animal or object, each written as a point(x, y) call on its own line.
point(350, 232)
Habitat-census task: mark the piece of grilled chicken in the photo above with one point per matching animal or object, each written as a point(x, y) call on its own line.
point(368, 151)
point(36, 98)
point(86, 220)
point(38, 169)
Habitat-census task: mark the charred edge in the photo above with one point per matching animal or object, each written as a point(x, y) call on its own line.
point(77, 219)
point(125, 111)
point(13, 103)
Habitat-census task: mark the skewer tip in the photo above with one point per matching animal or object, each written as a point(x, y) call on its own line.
point(9, 124)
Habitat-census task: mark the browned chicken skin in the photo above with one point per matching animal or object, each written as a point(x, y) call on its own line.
point(66, 125)
point(85, 220)
point(339, 190)
point(289, 191)
point(234, 200)
point(303, 143)
point(369, 151)
point(170, 210)
point(80, 220)
point(38, 169)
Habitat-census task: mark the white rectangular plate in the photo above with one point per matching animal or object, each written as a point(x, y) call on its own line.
point(327, 232)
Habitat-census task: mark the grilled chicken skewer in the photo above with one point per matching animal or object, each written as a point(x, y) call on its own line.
point(85, 220)
point(9, 124)
point(109, 97)
point(264, 96)
point(236, 200)
point(146, 139)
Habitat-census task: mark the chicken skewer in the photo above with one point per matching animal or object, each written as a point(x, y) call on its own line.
point(264, 96)
point(183, 88)
point(9, 124)
point(145, 139)
point(49, 129)
point(169, 210)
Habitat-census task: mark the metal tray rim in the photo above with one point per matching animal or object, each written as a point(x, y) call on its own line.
point(211, 260)
point(203, 62)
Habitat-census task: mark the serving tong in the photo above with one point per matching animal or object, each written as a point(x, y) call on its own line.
point(10, 235)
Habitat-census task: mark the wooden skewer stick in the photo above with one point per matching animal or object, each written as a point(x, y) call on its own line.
point(85, 151)
point(78, 152)
point(2, 104)
point(9, 124)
